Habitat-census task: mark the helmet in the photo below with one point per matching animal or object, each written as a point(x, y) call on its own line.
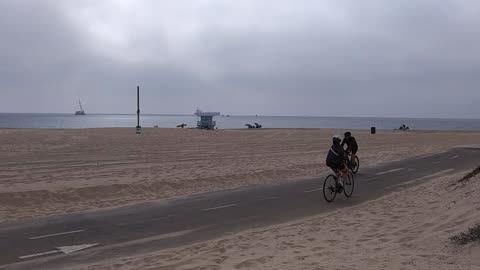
point(347, 134)
point(336, 139)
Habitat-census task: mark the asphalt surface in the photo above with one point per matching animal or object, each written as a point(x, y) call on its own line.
point(62, 241)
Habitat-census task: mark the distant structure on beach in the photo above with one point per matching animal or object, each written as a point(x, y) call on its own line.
point(81, 112)
point(205, 119)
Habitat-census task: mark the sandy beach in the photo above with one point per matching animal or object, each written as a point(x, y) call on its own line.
point(45, 172)
point(408, 229)
point(193, 135)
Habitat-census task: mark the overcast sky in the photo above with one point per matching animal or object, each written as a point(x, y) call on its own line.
point(392, 58)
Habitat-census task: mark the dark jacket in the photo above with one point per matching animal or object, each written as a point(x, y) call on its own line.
point(336, 155)
point(351, 143)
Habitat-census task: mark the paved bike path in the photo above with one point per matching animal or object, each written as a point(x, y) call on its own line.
point(45, 243)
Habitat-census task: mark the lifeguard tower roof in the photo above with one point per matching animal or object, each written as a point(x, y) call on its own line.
point(201, 113)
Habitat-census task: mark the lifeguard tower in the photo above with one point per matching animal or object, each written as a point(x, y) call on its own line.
point(205, 119)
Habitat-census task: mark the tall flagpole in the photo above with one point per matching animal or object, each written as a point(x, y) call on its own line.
point(138, 111)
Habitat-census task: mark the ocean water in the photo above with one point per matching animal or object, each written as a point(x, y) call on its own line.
point(20, 120)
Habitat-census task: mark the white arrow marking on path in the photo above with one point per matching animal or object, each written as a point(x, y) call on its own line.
point(71, 249)
point(64, 250)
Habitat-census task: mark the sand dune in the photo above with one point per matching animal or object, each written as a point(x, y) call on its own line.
point(408, 229)
point(44, 172)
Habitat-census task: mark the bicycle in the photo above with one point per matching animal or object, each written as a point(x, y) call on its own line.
point(331, 186)
point(353, 165)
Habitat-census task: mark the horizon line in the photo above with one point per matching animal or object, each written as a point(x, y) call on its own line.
point(255, 115)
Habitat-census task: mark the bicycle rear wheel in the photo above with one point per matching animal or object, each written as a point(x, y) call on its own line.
point(330, 188)
point(354, 165)
point(348, 184)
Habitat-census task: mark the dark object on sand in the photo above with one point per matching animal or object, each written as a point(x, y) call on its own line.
point(182, 125)
point(373, 130)
point(403, 127)
point(255, 125)
point(470, 175)
point(471, 235)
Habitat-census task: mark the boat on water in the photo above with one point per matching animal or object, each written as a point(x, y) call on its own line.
point(81, 111)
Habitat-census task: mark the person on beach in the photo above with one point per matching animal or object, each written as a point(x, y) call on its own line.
point(336, 158)
point(352, 145)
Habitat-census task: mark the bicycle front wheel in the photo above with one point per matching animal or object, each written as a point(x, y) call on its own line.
point(348, 184)
point(330, 188)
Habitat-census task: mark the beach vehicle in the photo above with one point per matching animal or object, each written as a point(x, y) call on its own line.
point(331, 186)
point(81, 111)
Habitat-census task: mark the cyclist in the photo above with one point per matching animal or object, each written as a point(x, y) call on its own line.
point(352, 146)
point(336, 158)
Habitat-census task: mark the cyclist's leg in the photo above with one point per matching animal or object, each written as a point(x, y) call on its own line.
point(336, 170)
point(348, 157)
point(354, 154)
point(343, 170)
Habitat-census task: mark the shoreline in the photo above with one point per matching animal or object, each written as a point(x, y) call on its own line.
point(255, 129)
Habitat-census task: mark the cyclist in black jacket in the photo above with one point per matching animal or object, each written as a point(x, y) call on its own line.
point(352, 145)
point(336, 158)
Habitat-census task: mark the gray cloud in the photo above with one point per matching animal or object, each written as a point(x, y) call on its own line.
point(366, 58)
